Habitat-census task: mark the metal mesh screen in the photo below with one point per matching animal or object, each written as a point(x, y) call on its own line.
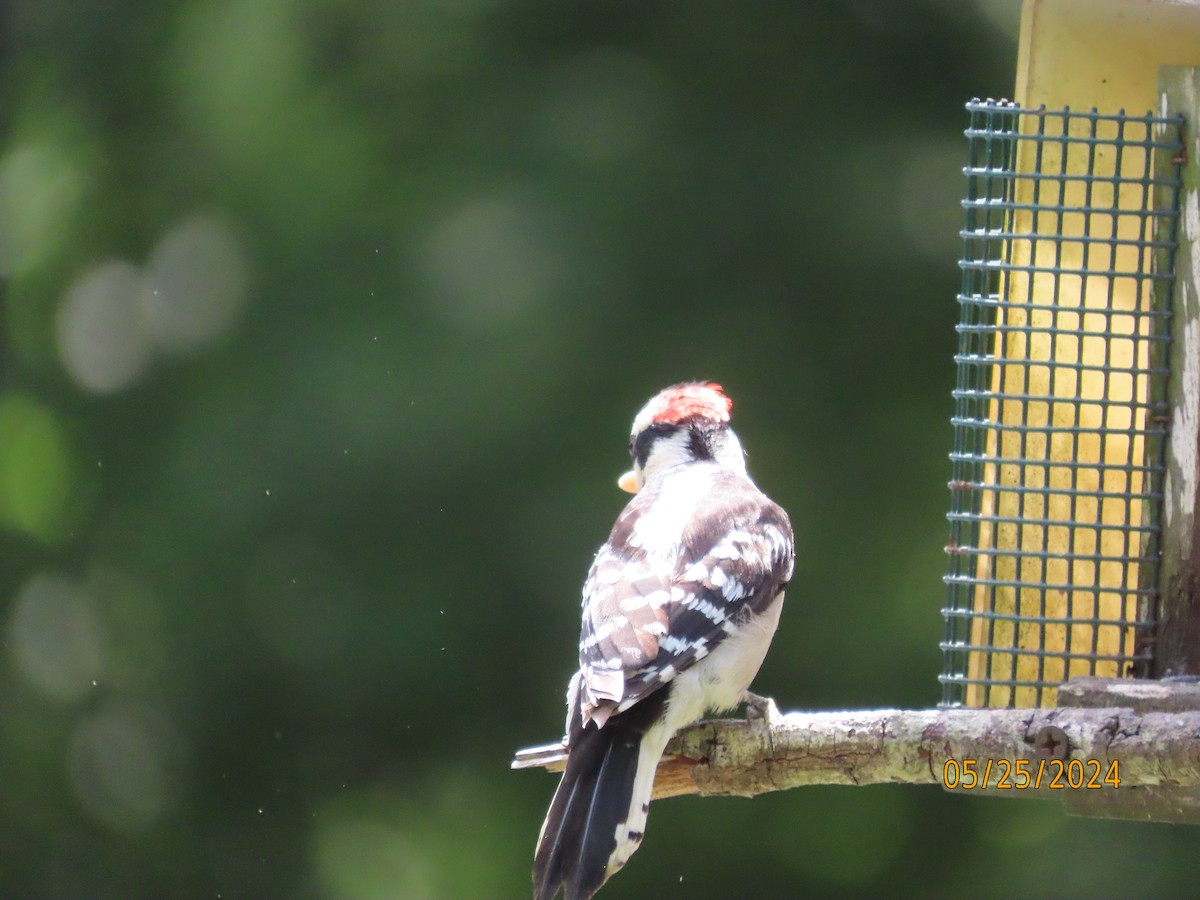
point(1058, 416)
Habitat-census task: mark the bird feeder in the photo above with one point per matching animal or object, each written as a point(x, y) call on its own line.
point(1060, 405)
point(1069, 400)
point(1073, 541)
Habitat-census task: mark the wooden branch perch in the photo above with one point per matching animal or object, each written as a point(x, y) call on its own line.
point(745, 758)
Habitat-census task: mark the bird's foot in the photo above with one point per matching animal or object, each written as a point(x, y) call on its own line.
point(759, 708)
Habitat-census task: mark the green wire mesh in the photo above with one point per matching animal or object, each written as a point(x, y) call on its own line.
point(1058, 415)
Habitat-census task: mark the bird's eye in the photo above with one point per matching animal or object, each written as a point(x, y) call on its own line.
point(631, 448)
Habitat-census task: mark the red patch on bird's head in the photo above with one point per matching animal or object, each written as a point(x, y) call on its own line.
point(683, 401)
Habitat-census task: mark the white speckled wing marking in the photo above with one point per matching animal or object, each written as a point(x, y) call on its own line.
point(728, 550)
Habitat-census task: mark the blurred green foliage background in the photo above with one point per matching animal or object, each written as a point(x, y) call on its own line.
point(323, 326)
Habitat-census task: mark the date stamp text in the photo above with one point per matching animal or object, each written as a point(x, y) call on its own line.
point(1022, 774)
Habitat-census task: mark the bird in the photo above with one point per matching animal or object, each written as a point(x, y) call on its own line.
point(679, 608)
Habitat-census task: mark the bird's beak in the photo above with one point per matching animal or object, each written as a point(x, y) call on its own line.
point(628, 482)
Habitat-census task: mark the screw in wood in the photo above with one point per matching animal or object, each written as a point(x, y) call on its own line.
point(1051, 742)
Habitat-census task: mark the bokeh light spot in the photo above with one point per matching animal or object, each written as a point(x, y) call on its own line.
point(241, 62)
point(361, 856)
point(1022, 826)
point(493, 260)
point(40, 190)
point(1003, 15)
point(124, 763)
point(928, 202)
point(197, 279)
point(55, 637)
point(39, 483)
point(102, 336)
point(431, 835)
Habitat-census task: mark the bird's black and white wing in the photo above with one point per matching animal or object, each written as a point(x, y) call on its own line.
point(642, 627)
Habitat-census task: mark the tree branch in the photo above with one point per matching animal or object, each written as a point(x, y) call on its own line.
point(745, 758)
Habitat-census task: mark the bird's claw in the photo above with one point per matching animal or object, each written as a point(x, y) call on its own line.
point(759, 708)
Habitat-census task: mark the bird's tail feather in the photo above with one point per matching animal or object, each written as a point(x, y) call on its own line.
point(598, 813)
